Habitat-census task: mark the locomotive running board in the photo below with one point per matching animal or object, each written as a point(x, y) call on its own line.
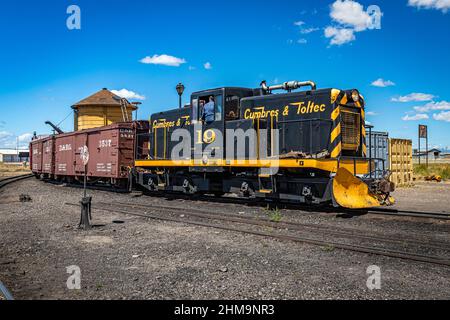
point(351, 192)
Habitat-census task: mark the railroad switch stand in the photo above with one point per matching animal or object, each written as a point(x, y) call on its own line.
point(86, 214)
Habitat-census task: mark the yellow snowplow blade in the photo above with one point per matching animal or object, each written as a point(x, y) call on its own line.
point(350, 192)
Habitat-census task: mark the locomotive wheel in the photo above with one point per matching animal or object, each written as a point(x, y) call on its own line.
point(188, 187)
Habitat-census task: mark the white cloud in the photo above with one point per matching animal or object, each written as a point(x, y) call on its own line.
point(26, 137)
point(207, 66)
point(443, 5)
point(414, 97)
point(339, 36)
point(5, 138)
point(419, 116)
point(350, 13)
point(302, 41)
point(127, 94)
point(382, 83)
point(371, 113)
point(442, 105)
point(308, 30)
point(299, 23)
point(443, 116)
point(349, 17)
point(9, 140)
point(163, 59)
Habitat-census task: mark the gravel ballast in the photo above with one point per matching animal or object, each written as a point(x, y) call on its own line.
point(151, 259)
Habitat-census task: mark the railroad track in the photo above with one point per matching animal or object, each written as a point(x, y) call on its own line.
point(280, 204)
point(256, 223)
point(309, 208)
point(408, 213)
point(398, 239)
point(6, 181)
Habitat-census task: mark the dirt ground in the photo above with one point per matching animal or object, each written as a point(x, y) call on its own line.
point(151, 259)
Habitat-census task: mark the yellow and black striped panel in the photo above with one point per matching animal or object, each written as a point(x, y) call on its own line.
point(364, 145)
point(337, 98)
point(363, 129)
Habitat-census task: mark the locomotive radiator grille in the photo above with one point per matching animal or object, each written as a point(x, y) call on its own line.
point(351, 130)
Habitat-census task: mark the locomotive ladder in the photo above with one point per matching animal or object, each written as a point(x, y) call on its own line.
point(267, 183)
point(123, 107)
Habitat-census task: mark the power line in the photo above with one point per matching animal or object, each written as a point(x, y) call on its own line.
point(65, 118)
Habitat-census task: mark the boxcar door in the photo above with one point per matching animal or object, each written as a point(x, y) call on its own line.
point(81, 140)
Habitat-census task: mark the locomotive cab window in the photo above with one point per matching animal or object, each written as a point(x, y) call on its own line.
point(232, 107)
point(202, 108)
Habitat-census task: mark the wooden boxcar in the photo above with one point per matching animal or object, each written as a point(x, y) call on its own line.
point(111, 154)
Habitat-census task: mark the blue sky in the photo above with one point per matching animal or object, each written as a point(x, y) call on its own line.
point(46, 68)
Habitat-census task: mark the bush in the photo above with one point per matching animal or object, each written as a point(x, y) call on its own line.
point(439, 169)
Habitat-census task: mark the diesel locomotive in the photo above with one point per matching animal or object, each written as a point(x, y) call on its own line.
point(305, 146)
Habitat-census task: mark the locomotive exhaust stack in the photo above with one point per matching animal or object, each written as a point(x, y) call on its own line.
point(289, 86)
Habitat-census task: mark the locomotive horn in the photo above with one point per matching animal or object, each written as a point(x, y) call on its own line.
point(288, 86)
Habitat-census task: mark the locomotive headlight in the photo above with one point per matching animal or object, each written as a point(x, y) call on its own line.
point(355, 96)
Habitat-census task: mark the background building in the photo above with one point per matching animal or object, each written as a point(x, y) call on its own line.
point(14, 156)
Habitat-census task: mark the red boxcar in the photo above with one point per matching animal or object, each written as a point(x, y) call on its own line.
point(48, 157)
point(42, 157)
point(36, 156)
point(111, 153)
point(65, 155)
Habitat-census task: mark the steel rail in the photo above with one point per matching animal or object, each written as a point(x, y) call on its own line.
point(287, 205)
point(354, 248)
point(313, 208)
point(287, 224)
point(9, 180)
point(409, 213)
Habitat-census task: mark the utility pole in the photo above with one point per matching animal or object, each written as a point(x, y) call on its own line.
point(423, 134)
